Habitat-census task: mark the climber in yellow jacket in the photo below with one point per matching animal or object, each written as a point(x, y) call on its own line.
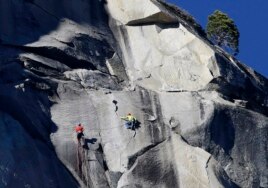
point(130, 121)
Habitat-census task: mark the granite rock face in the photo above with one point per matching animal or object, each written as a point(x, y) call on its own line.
point(202, 115)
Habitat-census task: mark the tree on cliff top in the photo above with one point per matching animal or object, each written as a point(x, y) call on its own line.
point(222, 30)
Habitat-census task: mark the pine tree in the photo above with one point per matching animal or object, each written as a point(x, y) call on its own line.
point(222, 30)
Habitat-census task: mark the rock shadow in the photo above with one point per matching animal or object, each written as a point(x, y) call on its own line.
point(222, 131)
point(38, 126)
point(89, 141)
point(136, 125)
point(39, 18)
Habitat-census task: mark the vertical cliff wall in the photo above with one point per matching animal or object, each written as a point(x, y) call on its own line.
point(202, 114)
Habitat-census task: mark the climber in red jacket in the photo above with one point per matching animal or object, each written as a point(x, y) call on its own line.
point(79, 129)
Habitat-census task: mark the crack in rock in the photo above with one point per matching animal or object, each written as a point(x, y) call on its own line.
point(132, 159)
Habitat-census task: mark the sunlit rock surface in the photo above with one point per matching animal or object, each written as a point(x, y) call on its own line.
point(202, 114)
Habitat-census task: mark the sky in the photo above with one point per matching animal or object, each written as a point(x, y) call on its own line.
point(251, 18)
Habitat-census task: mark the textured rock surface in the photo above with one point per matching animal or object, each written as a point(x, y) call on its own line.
point(202, 114)
point(159, 55)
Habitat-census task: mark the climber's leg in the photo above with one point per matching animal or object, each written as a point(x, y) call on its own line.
point(79, 137)
point(133, 123)
point(128, 124)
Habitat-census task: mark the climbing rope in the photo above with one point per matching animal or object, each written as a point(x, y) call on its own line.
point(121, 152)
point(105, 129)
point(79, 160)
